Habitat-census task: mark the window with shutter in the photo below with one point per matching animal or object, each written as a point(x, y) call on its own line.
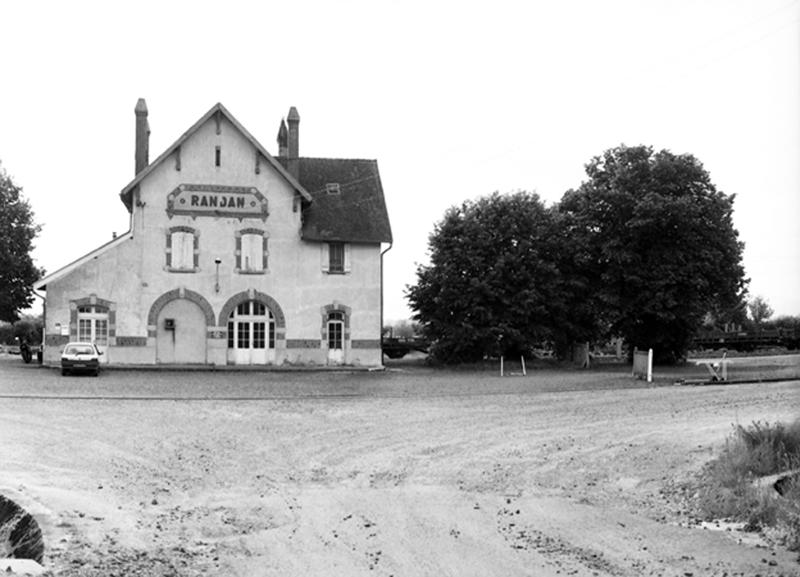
point(252, 252)
point(182, 251)
point(336, 257)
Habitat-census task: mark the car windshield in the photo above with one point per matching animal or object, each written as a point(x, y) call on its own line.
point(79, 350)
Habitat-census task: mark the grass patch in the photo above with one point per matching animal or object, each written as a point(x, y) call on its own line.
point(729, 488)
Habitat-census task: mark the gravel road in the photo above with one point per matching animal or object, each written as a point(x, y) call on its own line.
point(407, 472)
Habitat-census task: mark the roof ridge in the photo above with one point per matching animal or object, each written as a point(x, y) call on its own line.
point(335, 158)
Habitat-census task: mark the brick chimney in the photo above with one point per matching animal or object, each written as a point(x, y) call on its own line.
point(142, 136)
point(293, 144)
point(283, 140)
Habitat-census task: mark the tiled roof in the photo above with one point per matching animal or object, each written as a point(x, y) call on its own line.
point(356, 213)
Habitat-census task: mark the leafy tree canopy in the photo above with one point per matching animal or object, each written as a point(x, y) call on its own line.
point(493, 280)
point(759, 310)
point(657, 239)
point(17, 231)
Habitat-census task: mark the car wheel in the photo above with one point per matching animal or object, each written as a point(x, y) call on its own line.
point(64, 372)
point(96, 372)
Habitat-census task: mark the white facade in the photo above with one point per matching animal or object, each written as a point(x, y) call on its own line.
point(217, 268)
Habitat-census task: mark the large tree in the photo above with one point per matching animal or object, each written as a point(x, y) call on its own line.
point(492, 285)
point(657, 239)
point(17, 231)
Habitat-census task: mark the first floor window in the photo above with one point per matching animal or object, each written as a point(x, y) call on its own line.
point(336, 257)
point(252, 252)
point(182, 250)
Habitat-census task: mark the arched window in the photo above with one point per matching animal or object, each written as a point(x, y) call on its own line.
point(251, 334)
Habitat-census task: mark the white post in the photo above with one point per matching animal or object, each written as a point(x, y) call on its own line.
point(650, 366)
point(501, 365)
point(724, 366)
point(524, 374)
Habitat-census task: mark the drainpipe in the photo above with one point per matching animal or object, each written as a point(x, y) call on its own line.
point(388, 248)
point(44, 322)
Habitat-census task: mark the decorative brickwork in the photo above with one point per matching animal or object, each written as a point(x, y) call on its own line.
point(365, 344)
point(252, 295)
point(161, 302)
point(131, 341)
point(302, 344)
point(55, 340)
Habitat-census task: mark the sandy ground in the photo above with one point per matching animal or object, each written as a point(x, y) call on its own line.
point(404, 473)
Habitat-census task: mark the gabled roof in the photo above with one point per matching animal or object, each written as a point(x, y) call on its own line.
point(42, 283)
point(356, 213)
point(218, 108)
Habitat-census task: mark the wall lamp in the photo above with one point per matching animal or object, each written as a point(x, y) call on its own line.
point(217, 261)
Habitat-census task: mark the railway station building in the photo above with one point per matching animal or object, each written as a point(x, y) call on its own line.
point(234, 257)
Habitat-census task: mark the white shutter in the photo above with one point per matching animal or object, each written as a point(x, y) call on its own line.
point(182, 250)
point(347, 257)
point(252, 252)
point(325, 257)
point(188, 250)
point(247, 252)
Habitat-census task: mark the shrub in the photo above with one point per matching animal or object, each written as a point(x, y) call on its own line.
point(728, 489)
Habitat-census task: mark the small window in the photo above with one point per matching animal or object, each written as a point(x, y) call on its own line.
point(218, 156)
point(336, 257)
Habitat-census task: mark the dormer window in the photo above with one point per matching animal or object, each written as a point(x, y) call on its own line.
point(332, 188)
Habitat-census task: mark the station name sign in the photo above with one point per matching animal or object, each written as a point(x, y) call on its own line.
point(215, 200)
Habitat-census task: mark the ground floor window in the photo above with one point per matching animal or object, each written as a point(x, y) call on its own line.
point(336, 330)
point(93, 324)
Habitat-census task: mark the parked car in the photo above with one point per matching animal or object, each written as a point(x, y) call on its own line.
point(80, 357)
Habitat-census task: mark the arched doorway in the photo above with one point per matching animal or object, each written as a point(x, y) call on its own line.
point(181, 333)
point(251, 334)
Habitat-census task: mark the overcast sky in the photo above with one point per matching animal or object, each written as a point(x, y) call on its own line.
point(455, 100)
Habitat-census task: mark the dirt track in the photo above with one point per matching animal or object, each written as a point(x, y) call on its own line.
point(530, 476)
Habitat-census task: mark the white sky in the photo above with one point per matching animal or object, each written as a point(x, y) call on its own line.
point(454, 99)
